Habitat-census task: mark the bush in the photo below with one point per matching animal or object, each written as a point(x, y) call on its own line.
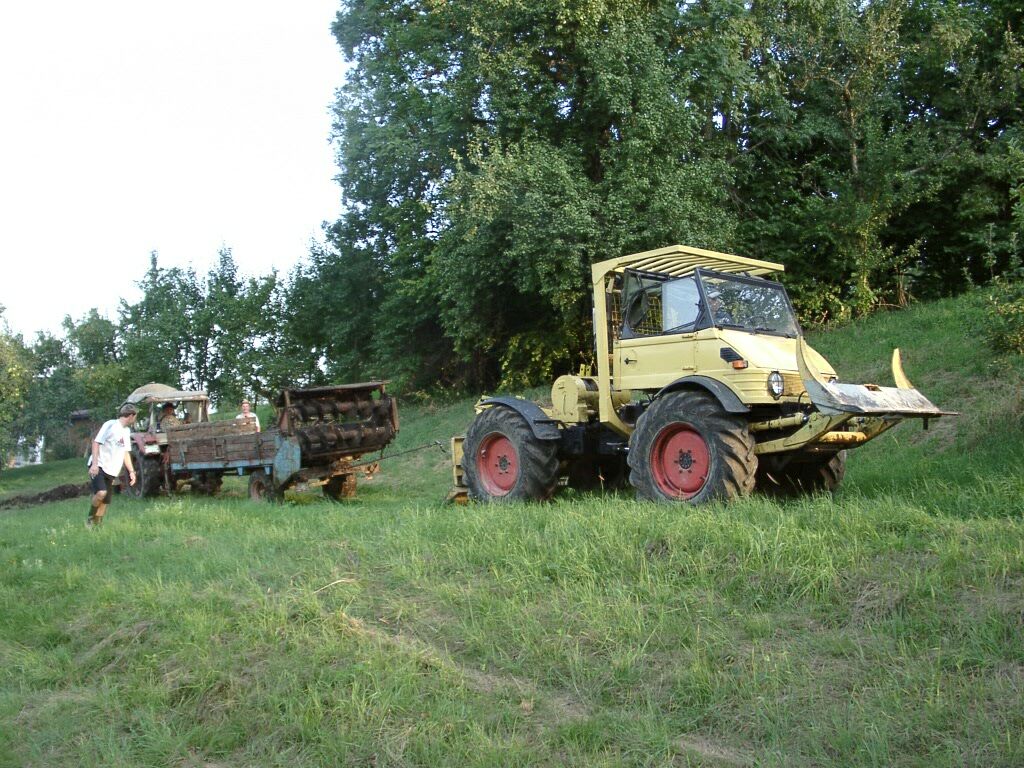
point(1004, 326)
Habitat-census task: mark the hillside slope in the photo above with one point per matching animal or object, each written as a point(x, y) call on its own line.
point(879, 627)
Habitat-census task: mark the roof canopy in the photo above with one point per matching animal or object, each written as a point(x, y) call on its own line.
point(159, 393)
point(679, 260)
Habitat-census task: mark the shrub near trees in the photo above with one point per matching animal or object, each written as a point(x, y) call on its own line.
point(490, 151)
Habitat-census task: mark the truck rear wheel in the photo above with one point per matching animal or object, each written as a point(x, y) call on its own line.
point(822, 474)
point(504, 461)
point(686, 448)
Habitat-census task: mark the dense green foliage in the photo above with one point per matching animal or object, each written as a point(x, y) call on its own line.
point(15, 378)
point(1005, 326)
point(491, 150)
point(219, 333)
point(881, 627)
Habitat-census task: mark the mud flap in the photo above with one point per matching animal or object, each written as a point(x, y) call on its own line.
point(900, 402)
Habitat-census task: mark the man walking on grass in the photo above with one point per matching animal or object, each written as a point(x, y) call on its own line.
point(110, 451)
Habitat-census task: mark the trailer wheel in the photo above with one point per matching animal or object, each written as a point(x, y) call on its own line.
point(686, 448)
point(823, 474)
point(148, 476)
point(504, 461)
point(340, 487)
point(206, 483)
point(263, 488)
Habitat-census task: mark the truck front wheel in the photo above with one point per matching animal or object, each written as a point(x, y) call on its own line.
point(686, 448)
point(504, 461)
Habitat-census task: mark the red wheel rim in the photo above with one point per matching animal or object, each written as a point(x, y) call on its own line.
point(680, 461)
point(497, 464)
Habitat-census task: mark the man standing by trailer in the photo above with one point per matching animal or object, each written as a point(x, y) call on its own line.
point(110, 451)
point(247, 415)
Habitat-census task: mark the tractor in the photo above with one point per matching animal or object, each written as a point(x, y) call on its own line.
point(705, 389)
point(150, 440)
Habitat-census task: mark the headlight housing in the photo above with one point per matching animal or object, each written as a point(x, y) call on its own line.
point(775, 384)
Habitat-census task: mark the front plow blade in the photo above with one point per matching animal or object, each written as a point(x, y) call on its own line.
point(900, 402)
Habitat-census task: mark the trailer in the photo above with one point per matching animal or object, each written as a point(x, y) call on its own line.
point(319, 436)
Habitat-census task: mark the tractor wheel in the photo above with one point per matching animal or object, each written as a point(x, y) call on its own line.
point(822, 474)
point(340, 487)
point(206, 483)
point(686, 448)
point(263, 488)
point(504, 461)
point(148, 476)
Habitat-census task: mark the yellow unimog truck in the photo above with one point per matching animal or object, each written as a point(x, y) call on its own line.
point(705, 389)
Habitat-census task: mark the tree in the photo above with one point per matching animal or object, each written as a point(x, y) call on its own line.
point(490, 151)
point(220, 333)
point(166, 336)
point(869, 152)
point(84, 370)
point(15, 377)
point(244, 322)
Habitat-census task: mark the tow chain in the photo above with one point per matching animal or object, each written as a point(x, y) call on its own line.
point(382, 457)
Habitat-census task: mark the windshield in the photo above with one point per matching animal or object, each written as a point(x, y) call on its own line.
point(753, 305)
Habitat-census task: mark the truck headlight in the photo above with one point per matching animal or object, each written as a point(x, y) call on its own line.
point(775, 384)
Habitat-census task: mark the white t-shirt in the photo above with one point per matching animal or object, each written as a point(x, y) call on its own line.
point(252, 415)
point(115, 441)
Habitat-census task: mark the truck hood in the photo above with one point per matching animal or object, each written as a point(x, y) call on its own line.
point(775, 353)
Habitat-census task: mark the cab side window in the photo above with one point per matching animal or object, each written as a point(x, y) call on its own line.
point(643, 315)
point(656, 307)
point(642, 306)
point(680, 305)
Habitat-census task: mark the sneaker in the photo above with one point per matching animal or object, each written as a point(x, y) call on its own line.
point(90, 523)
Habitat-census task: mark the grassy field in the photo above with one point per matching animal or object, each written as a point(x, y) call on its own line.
point(884, 626)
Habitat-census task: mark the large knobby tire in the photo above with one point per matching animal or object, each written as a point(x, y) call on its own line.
point(687, 448)
point(820, 474)
point(504, 461)
point(148, 476)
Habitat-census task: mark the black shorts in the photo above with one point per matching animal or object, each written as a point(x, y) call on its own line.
point(102, 482)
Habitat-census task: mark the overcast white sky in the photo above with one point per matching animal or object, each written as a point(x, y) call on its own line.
point(128, 127)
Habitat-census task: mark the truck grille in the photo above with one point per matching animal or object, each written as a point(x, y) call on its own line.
point(793, 385)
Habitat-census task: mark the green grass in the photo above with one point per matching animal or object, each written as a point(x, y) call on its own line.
point(40, 477)
point(884, 626)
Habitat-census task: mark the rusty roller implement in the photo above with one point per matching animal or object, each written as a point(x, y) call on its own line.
point(330, 423)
